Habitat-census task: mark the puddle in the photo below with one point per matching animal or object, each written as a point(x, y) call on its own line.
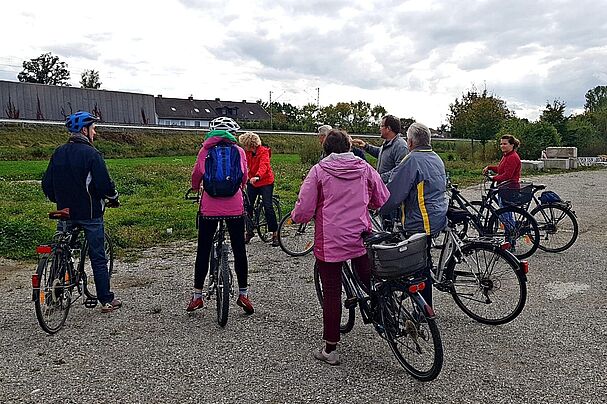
point(562, 290)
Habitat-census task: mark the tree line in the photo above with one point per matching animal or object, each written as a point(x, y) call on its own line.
point(475, 115)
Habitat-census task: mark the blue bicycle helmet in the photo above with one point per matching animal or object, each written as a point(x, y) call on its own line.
point(79, 120)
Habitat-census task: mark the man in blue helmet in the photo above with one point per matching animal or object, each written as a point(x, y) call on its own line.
point(77, 179)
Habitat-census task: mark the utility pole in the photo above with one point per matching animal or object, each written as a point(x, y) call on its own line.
point(270, 110)
point(318, 99)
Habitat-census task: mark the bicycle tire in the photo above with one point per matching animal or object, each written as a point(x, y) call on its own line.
point(525, 237)
point(553, 221)
point(260, 218)
point(296, 239)
point(85, 268)
point(223, 288)
point(52, 297)
point(414, 339)
point(485, 277)
point(347, 315)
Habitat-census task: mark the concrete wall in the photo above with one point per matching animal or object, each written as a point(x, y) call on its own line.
point(54, 103)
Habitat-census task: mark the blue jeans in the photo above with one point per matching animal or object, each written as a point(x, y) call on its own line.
point(94, 233)
point(509, 223)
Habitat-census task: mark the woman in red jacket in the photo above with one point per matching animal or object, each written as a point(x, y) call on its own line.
point(261, 180)
point(509, 169)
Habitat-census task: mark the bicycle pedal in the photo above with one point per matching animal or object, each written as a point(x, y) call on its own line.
point(351, 302)
point(90, 303)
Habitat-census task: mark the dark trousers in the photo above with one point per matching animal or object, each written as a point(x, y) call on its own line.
point(266, 192)
point(206, 231)
point(330, 276)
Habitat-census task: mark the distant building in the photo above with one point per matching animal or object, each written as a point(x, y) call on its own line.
point(198, 113)
point(54, 103)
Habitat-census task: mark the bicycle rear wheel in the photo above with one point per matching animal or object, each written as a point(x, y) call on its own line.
point(86, 270)
point(414, 339)
point(558, 227)
point(262, 224)
point(347, 314)
point(223, 287)
point(518, 227)
point(52, 299)
point(487, 284)
point(296, 239)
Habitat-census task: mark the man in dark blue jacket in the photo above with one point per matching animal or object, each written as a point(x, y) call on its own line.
point(77, 179)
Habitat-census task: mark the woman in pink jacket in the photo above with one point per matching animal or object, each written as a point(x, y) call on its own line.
point(214, 209)
point(338, 192)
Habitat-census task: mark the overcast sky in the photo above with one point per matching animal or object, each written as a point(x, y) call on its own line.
point(412, 57)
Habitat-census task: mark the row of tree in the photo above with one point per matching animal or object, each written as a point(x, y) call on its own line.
point(486, 117)
point(48, 69)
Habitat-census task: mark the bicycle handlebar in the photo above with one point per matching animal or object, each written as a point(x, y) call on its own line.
point(192, 195)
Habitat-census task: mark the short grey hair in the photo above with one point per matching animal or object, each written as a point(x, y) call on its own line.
point(419, 134)
point(324, 129)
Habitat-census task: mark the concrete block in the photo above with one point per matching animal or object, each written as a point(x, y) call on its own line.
point(562, 164)
point(561, 152)
point(532, 164)
point(573, 163)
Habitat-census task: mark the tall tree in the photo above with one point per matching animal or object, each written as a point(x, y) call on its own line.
point(45, 69)
point(596, 99)
point(90, 79)
point(555, 114)
point(478, 116)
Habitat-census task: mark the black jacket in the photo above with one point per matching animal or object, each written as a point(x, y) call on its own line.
point(77, 178)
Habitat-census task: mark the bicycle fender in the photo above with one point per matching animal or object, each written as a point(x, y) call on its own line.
point(419, 300)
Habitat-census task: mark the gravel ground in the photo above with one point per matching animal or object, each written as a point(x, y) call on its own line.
point(152, 351)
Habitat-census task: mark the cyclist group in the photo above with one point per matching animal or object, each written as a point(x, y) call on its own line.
point(410, 183)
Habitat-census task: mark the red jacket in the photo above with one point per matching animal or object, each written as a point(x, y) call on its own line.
point(258, 163)
point(509, 168)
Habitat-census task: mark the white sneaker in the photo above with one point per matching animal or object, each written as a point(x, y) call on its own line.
point(330, 358)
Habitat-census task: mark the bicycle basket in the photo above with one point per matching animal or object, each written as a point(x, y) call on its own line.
point(549, 197)
point(405, 258)
point(516, 193)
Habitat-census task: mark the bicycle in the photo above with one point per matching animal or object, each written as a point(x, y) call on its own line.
point(258, 221)
point(221, 282)
point(510, 223)
point(297, 239)
point(393, 304)
point(556, 221)
point(486, 281)
point(62, 271)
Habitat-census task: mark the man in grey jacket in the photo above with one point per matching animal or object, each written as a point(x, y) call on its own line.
point(391, 152)
point(419, 186)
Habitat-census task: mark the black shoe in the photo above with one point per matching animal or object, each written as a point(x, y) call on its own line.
point(275, 242)
point(247, 237)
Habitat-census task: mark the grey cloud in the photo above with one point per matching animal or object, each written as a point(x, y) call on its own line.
point(99, 36)
point(80, 49)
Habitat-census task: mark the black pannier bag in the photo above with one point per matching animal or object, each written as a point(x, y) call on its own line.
point(396, 260)
point(516, 193)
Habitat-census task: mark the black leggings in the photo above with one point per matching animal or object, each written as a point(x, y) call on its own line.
point(266, 200)
point(206, 231)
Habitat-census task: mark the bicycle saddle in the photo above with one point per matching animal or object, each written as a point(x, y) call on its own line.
point(457, 215)
point(63, 214)
point(539, 187)
point(377, 237)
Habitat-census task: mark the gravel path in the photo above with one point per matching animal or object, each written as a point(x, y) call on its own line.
point(152, 351)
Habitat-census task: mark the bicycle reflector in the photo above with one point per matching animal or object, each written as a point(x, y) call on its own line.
point(43, 249)
point(525, 266)
point(506, 246)
point(418, 287)
point(35, 281)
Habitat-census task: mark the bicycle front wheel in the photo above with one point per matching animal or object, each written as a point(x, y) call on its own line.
point(262, 224)
point(52, 298)
point(558, 227)
point(414, 339)
point(347, 314)
point(296, 239)
point(223, 288)
point(517, 227)
point(487, 284)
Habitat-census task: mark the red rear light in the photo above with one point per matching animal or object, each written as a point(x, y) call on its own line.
point(505, 246)
point(35, 281)
point(525, 266)
point(417, 287)
point(43, 249)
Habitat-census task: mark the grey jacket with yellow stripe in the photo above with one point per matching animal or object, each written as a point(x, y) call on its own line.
point(418, 185)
